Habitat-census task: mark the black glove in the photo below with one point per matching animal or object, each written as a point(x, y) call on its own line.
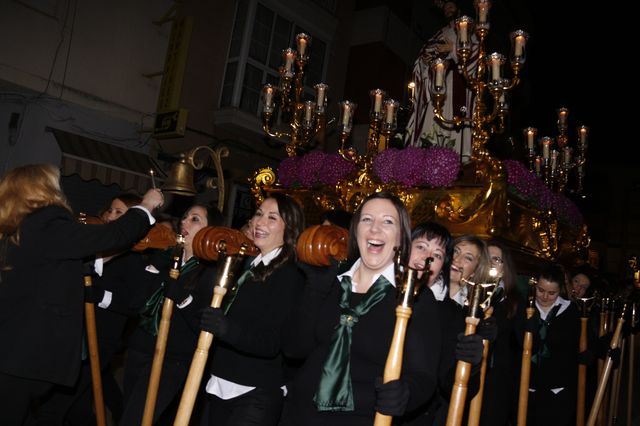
point(175, 291)
point(469, 348)
point(322, 278)
point(93, 294)
point(532, 325)
point(603, 344)
point(391, 397)
point(214, 321)
point(615, 356)
point(586, 357)
point(488, 329)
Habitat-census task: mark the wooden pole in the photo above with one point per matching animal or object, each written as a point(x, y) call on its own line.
point(459, 390)
point(475, 409)
point(604, 378)
point(603, 329)
point(393, 366)
point(615, 388)
point(630, 374)
point(94, 357)
point(161, 346)
point(525, 373)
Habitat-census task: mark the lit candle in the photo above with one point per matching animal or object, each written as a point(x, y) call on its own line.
point(519, 45)
point(377, 104)
point(347, 109)
point(439, 74)
point(483, 11)
point(531, 135)
point(538, 165)
point(562, 117)
point(390, 108)
point(495, 69)
point(546, 145)
point(289, 57)
point(584, 131)
point(267, 93)
point(412, 90)
point(308, 110)
point(462, 31)
point(303, 41)
point(321, 90)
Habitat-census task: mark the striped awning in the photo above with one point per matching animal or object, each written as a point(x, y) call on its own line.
point(109, 164)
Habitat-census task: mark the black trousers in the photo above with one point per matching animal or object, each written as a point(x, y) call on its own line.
point(260, 407)
point(18, 394)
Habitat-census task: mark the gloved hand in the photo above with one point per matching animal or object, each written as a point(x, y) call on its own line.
point(532, 325)
point(391, 397)
point(615, 356)
point(469, 348)
point(586, 357)
point(175, 291)
point(322, 278)
point(93, 294)
point(488, 329)
point(214, 321)
point(603, 344)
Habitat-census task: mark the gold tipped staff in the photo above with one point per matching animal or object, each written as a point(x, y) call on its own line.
point(229, 250)
point(604, 378)
point(602, 330)
point(525, 371)
point(585, 305)
point(463, 369)
point(411, 285)
point(615, 387)
point(94, 357)
point(494, 296)
point(161, 339)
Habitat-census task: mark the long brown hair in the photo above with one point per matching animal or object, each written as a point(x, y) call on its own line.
point(24, 190)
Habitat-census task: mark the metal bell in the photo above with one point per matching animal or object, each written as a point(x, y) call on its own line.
point(180, 181)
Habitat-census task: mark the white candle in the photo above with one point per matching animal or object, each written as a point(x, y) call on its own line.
point(562, 117)
point(302, 40)
point(346, 114)
point(462, 31)
point(495, 70)
point(289, 56)
point(567, 155)
point(377, 104)
point(320, 94)
point(439, 74)
point(538, 165)
point(531, 134)
point(391, 108)
point(546, 144)
point(583, 135)
point(308, 110)
point(554, 160)
point(483, 11)
point(519, 45)
point(412, 90)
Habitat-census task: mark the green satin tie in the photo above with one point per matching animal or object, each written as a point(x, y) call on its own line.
point(543, 351)
point(335, 392)
point(228, 300)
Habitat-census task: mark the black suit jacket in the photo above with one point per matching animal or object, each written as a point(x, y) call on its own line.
point(41, 294)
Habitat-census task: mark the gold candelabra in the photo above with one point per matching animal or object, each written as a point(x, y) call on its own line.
point(307, 120)
point(558, 158)
point(488, 85)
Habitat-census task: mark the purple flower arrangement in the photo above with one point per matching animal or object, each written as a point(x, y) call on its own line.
point(528, 186)
point(435, 166)
point(314, 168)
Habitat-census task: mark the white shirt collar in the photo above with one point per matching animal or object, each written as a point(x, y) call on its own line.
point(388, 273)
point(564, 304)
point(461, 296)
point(267, 258)
point(438, 289)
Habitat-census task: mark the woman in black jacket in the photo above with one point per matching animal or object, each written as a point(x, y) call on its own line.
point(344, 326)
point(41, 291)
point(246, 386)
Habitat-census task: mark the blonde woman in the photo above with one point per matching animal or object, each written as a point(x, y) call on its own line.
point(41, 291)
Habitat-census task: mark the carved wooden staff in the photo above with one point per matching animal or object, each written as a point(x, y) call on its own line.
point(615, 388)
point(525, 372)
point(584, 304)
point(409, 288)
point(94, 357)
point(604, 378)
point(228, 247)
point(463, 369)
point(475, 408)
point(161, 341)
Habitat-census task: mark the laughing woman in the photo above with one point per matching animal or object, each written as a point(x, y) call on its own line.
point(344, 327)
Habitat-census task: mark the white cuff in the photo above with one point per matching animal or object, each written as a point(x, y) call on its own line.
point(152, 219)
point(106, 300)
